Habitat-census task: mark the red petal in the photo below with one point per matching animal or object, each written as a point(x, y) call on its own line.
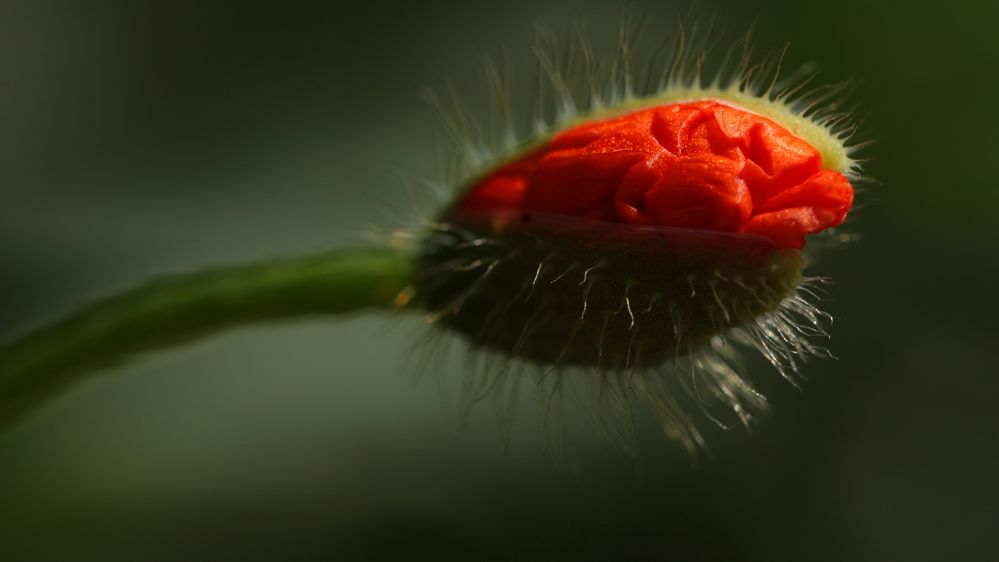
point(701, 165)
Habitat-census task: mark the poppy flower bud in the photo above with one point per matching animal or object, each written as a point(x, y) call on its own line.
point(644, 238)
point(629, 241)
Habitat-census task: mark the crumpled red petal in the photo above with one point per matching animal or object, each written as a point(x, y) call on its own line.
point(701, 165)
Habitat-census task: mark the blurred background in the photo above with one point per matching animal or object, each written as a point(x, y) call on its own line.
point(144, 137)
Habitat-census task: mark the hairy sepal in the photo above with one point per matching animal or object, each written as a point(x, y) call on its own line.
point(565, 291)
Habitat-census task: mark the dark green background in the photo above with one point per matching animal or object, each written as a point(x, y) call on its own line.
point(142, 137)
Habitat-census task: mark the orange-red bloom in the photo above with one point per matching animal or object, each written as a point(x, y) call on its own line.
point(701, 165)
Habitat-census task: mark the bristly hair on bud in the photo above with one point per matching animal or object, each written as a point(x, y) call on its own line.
point(645, 226)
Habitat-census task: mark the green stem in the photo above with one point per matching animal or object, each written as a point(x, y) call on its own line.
point(181, 308)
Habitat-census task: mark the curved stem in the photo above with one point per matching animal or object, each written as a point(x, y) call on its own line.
point(181, 308)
